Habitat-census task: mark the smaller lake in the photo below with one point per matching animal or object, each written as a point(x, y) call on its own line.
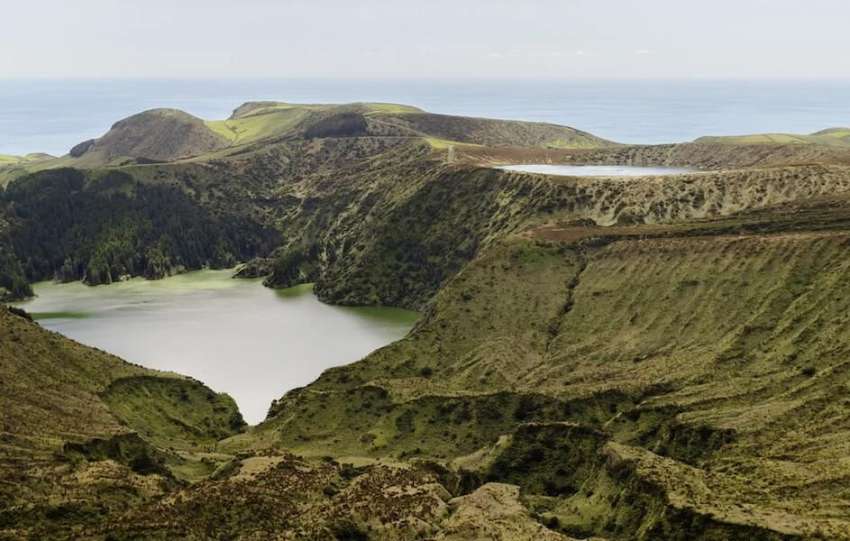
point(236, 336)
point(596, 170)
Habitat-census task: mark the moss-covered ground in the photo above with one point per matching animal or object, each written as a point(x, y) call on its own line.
point(658, 358)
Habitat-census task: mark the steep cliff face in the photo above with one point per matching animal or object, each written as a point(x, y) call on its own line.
point(402, 229)
point(371, 220)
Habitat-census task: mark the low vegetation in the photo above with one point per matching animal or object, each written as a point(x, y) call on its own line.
point(658, 358)
point(832, 137)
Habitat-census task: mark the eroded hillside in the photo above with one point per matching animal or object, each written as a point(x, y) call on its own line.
point(652, 358)
point(641, 382)
point(84, 432)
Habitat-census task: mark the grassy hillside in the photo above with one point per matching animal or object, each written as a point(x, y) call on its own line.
point(371, 220)
point(6, 159)
point(699, 369)
point(568, 361)
point(832, 137)
point(13, 166)
point(299, 185)
point(69, 447)
point(658, 358)
point(255, 121)
point(93, 447)
point(493, 133)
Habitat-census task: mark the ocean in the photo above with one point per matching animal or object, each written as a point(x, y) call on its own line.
point(53, 115)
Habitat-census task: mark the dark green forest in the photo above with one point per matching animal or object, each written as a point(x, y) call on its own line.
point(101, 226)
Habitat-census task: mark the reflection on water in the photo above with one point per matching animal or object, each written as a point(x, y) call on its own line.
point(596, 170)
point(236, 336)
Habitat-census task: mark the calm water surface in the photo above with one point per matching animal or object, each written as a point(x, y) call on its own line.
point(596, 170)
point(236, 336)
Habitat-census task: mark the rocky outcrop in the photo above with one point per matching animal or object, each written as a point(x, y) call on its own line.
point(80, 149)
point(494, 511)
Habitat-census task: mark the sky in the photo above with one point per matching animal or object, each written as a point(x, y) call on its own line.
point(522, 39)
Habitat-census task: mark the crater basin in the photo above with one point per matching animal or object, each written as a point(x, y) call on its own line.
point(236, 336)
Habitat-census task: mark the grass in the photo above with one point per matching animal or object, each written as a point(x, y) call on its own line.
point(443, 144)
point(839, 133)
point(831, 137)
point(258, 126)
point(707, 326)
point(682, 380)
point(261, 124)
point(390, 108)
point(59, 315)
point(280, 118)
point(172, 412)
point(5, 159)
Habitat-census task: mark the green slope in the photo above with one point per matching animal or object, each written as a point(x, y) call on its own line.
point(78, 418)
point(662, 358)
point(831, 137)
point(651, 381)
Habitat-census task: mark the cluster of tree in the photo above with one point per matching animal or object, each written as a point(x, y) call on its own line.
point(13, 283)
point(99, 227)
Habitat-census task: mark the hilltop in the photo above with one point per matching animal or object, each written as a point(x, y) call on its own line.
point(6, 159)
point(155, 135)
point(830, 137)
point(166, 135)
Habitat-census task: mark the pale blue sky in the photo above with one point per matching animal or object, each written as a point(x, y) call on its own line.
point(425, 39)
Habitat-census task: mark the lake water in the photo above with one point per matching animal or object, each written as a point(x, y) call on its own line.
point(596, 170)
point(53, 115)
point(236, 336)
